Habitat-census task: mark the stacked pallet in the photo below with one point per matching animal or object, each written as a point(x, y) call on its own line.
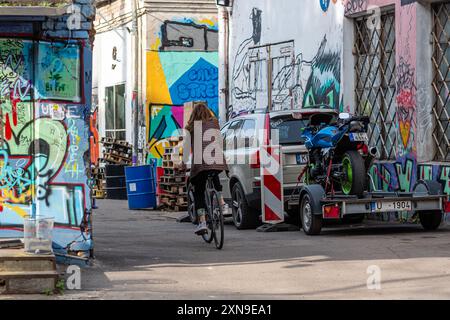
point(98, 176)
point(173, 193)
point(116, 152)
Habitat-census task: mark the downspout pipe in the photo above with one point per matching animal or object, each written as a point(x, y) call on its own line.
point(224, 56)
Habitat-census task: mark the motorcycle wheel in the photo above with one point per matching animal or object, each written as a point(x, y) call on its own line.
point(355, 171)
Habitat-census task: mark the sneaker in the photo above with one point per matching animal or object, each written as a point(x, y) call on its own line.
point(201, 229)
point(225, 210)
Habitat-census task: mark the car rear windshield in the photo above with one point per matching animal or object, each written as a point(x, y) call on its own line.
point(290, 130)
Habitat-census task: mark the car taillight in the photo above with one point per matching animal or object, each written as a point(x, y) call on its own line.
point(331, 212)
point(255, 161)
point(267, 130)
point(447, 206)
point(363, 149)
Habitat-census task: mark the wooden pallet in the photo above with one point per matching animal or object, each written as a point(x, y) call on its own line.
point(106, 140)
point(99, 194)
point(176, 209)
point(109, 147)
point(117, 159)
point(173, 189)
point(173, 179)
point(169, 188)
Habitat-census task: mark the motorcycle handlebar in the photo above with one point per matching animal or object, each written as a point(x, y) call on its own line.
point(363, 119)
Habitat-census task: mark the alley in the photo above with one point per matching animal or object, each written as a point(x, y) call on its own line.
point(148, 255)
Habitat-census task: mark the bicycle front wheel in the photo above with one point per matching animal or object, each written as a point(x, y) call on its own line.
point(217, 221)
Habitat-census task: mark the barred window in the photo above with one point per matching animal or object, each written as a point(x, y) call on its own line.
point(441, 80)
point(375, 80)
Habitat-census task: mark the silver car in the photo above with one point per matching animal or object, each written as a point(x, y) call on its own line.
point(242, 141)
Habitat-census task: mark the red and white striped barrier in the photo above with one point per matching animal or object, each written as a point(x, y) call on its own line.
point(272, 185)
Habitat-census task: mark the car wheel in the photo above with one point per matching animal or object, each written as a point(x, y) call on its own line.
point(243, 216)
point(430, 220)
point(311, 223)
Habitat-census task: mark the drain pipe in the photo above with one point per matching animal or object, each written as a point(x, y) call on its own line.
point(224, 57)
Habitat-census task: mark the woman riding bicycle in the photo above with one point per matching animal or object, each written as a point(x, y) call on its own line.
point(204, 131)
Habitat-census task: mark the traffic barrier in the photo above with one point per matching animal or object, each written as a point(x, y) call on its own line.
point(272, 185)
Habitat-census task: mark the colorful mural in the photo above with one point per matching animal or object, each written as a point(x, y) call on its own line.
point(182, 66)
point(165, 120)
point(299, 80)
point(59, 72)
point(179, 77)
point(44, 156)
point(413, 113)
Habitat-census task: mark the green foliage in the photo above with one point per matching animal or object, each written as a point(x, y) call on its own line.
point(61, 286)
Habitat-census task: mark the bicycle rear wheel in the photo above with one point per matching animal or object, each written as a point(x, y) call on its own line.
point(208, 237)
point(217, 221)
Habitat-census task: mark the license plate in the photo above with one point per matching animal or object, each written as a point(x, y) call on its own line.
point(391, 206)
point(302, 158)
point(359, 137)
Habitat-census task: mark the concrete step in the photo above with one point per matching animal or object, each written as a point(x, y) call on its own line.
point(11, 243)
point(28, 282)
point(15, 260)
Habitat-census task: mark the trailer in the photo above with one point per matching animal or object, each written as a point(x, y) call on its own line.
point(315, 206)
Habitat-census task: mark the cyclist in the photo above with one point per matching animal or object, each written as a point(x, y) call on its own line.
point(203, 120)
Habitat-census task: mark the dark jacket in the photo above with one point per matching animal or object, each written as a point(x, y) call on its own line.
point(208, 162)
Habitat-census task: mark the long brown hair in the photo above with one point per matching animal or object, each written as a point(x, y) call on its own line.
point(200, 113)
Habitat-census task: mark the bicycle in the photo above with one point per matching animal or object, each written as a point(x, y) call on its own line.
point(214, 214)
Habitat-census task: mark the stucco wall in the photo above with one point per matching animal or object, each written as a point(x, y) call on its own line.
point(309, 37)
point(45, 103)
point(182, 66)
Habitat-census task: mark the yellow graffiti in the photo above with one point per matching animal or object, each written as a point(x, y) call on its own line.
point(157, 89)
point(11, 197)
point(156, 45)
point(19, 211)
point(156, 148)
point(209, 22)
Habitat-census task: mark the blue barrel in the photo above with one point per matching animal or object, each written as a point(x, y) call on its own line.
point(141, 186)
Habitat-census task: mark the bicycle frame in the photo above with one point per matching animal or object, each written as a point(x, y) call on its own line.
point(214, 214)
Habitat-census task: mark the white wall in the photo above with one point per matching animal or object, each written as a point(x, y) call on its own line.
point(105, 75)
point(313, 40)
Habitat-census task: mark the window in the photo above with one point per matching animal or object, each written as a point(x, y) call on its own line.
point(375, 81)
point(249, 136)
point(230, 135)
point(224, 129)
point(289, 130)
point(115, 112)
point(441, 80)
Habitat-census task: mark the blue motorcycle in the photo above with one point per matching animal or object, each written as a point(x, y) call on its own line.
point(339, 155)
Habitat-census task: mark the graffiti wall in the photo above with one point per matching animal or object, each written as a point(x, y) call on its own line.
point(413, 102)
point(44, 154)
point(182, 66)
point(286, 66)
point(165, 121)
